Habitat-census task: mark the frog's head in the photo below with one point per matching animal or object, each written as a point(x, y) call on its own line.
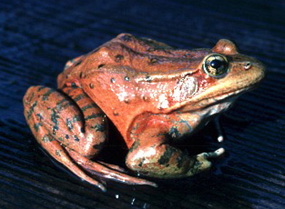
point(222, 74)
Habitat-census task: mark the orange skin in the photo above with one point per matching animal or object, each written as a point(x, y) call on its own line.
point(153, 94)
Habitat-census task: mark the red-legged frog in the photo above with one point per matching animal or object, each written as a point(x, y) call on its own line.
point(154, 94)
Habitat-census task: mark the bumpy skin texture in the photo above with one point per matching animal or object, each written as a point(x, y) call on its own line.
point(153, 94)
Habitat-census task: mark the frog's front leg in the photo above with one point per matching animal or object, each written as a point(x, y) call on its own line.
point(152, 155)
point(72, 129)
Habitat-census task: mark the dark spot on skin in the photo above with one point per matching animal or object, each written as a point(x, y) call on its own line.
point(37, 126)
point(188, 55)
point(99, 127)
point(47, 94)
point(164, 159)
point(59, 107)
point(94, 115)
point(80, 74)
point(76, 118)
point(41, 88)
point(135, 127)
point(127, 101)
point(64, 106)
point(54, 117)
point(115, 113)
point(196, 166)
point(112, 80)
point(99, 146)
point(174, 133)
point(76, 138)
point(145, 98)
point(30, 112)
point(61, 101)
point(182, 159)
point(141, 162)
point(69, 90)
point(66, 136)
point(88, 107)
point(57, 152)
point(82, 130)
point(187, 124)
point(151, 49)
point(148, 78)
point(153, 60)
point(73, 85)
point(69, 124)
point(46, 139)
point(135, 145)
point(127, 78)
point(91, 85)
point(40, 116)
point(100, 66)
point(126, 38)
point(61, 139)
point(118, 58)
point(78, 63)
point(31, 97)
point(79, 97)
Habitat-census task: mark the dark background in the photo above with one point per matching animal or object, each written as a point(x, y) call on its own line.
point(38, 37)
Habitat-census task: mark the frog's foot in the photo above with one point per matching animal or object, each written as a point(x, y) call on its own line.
point(202, 161)
point(108, 171)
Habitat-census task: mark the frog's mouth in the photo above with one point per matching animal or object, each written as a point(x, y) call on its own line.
point(216, 104)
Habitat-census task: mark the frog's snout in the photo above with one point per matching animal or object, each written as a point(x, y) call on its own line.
point(259, 68)
point(254, 69)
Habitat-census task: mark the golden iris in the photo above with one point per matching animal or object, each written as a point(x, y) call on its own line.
point(216, 65)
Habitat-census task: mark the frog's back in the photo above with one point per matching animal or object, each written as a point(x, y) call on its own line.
point(127, 76)
point(142, 55)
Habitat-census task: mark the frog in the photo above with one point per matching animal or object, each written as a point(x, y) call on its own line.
point(153, 93)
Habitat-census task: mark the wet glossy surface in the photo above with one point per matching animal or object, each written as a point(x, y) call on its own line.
point(39, 38)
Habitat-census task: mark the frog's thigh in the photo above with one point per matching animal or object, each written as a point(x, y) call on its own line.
point(56, 121)
point(44, 120)
point(63, 120)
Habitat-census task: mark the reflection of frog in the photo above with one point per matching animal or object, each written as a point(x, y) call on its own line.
point(150, 91)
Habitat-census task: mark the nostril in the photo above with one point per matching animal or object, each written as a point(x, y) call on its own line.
point(247, 65)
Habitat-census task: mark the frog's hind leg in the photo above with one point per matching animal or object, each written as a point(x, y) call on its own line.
point(42, 116)
point(72, 132)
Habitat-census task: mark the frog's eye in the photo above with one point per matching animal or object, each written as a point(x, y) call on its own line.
point(216, 65)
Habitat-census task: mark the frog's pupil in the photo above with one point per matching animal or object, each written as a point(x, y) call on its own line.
point(216, 64)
